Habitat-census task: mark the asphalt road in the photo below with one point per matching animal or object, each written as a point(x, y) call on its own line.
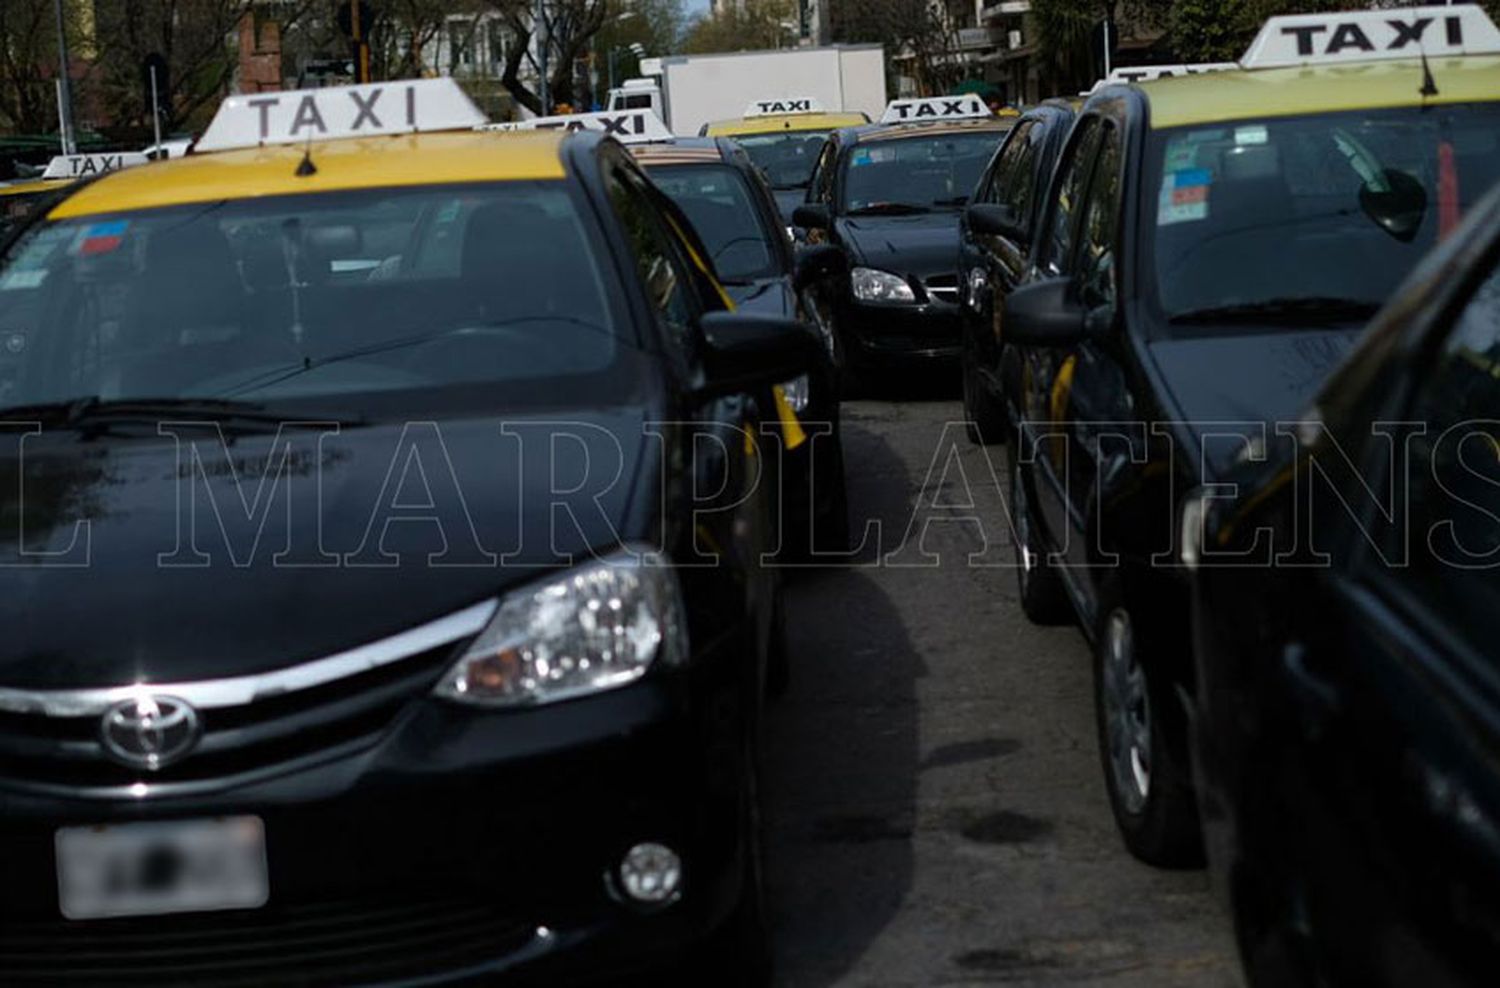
point(935, 805)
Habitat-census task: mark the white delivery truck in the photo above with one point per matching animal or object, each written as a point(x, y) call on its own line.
point(689, 91)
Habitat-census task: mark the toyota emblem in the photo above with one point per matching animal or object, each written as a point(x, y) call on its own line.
point(150, 732)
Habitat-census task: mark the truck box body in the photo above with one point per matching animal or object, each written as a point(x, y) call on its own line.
point(698, 89)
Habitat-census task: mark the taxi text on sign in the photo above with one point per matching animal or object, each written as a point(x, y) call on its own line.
point(776, 107)
point(345, 111)
point(626, 126)
point(71, 166)
point(1365, 35)
point(934, 108)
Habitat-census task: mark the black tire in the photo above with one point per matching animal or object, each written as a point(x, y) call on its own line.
point(985, 421)
point(778, 653)
point(1141, 729)
point(831, 525)
point(738, 953)
point(1043, 598)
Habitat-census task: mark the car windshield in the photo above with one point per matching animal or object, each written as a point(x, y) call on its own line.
point(397, 295)
point(786, 157)
point(717, 200)
point(1309, 219)
point(925, 170)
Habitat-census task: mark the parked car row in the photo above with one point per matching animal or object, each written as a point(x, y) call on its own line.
point(1274, 520)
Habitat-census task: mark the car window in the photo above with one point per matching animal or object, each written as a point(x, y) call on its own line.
point(1331, 209)
point(787, 157)
point(1014, 158)
point(369, 292)
point(1096, 263)
point(718, 203)
point(1061, 222)
point(1454, 488)
point(663, 271)
point(822, 180)
point(923, 170)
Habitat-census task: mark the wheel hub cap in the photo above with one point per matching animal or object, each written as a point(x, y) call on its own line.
point(1127, 712)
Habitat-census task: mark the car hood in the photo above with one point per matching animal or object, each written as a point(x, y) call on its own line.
point(764, 297)
point(921, 245)
point(1227, 381)
point(142, 586)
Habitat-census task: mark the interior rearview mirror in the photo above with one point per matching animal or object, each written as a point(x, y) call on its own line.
point(1396, 202)
point(811, 216)
point(815, 262)
point(749, 352)
point(993, 219)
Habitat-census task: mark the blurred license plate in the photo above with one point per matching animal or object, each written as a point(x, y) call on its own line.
point(139, 869)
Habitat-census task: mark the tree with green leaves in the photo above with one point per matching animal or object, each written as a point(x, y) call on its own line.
point(743, 25)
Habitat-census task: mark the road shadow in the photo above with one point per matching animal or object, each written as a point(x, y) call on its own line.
point(842, 750)
point(934, 383)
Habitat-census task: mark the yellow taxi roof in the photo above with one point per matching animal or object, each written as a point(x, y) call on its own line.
point(897, 131)
point(355, 163)
point(31, 186)
point(789, 122)
point(1259, 93)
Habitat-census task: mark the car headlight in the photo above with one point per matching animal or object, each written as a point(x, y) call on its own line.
point(795, 392)
point(595, 627)
point(1190, 529)
point(870, 285)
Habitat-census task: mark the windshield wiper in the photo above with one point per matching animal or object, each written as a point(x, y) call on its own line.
point(888, 209)
point(92, 414)
point(1309, 311)
point(951, 201)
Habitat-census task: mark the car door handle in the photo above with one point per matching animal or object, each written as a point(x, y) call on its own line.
point(1316, 698)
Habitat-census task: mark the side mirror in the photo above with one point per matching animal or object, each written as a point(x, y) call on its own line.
point(811, 216)
point(1049, 313)
point(815, 262)
point(1396, 202)
point(992, 219)
point(749, 352)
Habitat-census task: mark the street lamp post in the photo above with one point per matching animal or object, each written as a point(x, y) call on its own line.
point(64, 84)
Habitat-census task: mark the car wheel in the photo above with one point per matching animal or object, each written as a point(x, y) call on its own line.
point(984, 416)
point(831, 527)
point(1150, 793)
point(1043, 597)
point(778, 654)
point(738, 954)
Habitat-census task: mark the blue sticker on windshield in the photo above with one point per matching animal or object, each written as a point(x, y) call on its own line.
point(861, 156)
point(1184, 196)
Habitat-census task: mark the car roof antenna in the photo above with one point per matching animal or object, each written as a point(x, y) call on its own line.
point(1429, 84)
point(306, 168)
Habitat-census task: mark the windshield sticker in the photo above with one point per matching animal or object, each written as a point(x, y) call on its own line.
point(101, 238)
point(861, 156)
point(1184, 197)
point(16, 280)
point(1251, 135)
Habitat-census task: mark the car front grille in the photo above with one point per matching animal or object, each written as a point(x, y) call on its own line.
point(345, 942)
point(942, 288)
point(318, 717)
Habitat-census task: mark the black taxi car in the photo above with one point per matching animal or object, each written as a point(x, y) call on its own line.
point(717, 184)
point(890, 195)
point(994, 239)
point(1347, 715)
point(377, 613)
point(1210, 248)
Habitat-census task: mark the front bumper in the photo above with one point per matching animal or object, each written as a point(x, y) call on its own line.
point(894, 335)
point(459, 844)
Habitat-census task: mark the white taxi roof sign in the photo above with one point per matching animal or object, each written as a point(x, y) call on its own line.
point(1368, 35)
point(75, 166)
point(371, 110)
point(783, 105)
point(935, 108)
point(1148, 73)
point(625, 126)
